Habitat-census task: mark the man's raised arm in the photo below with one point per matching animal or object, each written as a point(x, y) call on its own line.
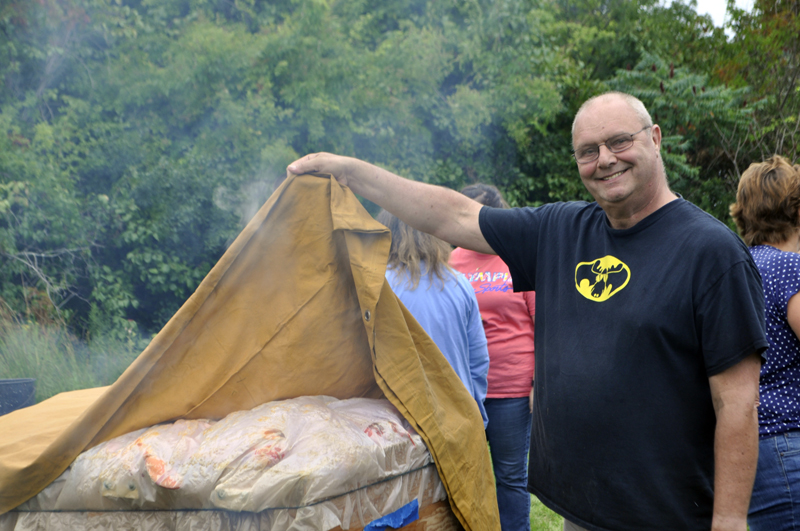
point(439, 211)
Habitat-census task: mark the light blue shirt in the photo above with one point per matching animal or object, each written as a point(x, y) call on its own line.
point(452, 319)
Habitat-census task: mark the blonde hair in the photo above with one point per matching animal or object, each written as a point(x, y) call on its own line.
point(410, 248)
point(767, 207)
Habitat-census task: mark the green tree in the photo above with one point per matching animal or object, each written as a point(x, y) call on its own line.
point(139, 136)
point(696, 120)
point(764, 55)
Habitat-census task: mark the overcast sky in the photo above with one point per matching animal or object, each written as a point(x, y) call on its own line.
point(716, 8)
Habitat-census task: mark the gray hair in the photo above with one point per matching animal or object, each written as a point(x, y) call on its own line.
point(632, 101)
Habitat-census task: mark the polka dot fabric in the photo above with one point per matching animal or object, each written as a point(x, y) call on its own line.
point(780, 375)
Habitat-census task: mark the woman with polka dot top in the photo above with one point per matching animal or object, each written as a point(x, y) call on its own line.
point(767, 214)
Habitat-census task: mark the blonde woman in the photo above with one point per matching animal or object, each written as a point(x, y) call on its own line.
point(441, 300)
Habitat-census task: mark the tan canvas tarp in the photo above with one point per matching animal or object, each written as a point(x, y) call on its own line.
point(298, 305)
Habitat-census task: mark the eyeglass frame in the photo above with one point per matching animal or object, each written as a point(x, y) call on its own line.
point(608, 148)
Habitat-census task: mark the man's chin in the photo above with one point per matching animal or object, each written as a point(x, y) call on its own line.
point(611, 199)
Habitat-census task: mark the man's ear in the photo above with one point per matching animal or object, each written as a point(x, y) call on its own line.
point(655, 134)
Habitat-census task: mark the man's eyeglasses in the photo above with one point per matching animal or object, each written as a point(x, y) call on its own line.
point(615, 144)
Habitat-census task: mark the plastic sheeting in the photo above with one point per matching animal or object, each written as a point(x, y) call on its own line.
point(306, 463)
point(349, 511)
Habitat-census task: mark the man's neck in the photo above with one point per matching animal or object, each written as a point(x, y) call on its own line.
point(626, 220)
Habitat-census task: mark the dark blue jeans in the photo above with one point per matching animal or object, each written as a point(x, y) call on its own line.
point(509, 435)
point(775, 504)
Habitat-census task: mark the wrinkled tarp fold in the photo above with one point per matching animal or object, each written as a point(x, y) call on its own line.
point(298, 305)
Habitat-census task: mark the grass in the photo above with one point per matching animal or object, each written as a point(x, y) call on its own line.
point(543, 519)
point(60, 362)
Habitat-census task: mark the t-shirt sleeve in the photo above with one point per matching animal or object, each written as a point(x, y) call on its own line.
point(513, 234)
point(731, 318)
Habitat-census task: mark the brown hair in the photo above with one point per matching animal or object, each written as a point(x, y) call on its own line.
point(485, 194)
point(767, 207)
point(411, 247)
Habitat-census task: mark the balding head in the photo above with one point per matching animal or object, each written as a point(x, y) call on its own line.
point(633, 102)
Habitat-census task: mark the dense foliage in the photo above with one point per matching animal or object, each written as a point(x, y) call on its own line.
point(137, 137)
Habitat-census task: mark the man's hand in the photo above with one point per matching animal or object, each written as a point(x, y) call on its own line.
point(734, 392)
point(336, 165)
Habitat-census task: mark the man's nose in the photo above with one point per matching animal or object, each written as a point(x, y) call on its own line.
point(606, 157)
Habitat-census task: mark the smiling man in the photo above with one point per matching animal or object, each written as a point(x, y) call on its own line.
point(626, 178)
point(650, 319)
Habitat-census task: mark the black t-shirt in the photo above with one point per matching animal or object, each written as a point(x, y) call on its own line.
point(630, 324)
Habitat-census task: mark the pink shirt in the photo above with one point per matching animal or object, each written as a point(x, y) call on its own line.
point(507, 320)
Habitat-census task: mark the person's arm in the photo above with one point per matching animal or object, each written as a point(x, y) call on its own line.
point(530, 400)
point(439, 211)
point(477, 346)
point(530, 301)
point(734, 392)
point(478, 352)
point(793, 314)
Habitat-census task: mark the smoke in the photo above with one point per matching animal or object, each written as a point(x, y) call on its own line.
point(247, 199)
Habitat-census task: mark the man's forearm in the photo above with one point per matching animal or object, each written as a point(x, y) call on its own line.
point(425, 207)
point(735, 460)
point(735, 396)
